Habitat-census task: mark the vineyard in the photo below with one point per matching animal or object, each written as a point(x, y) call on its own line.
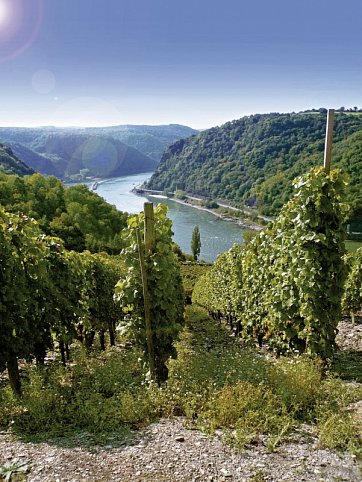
point(286, 285)
point(104, 343)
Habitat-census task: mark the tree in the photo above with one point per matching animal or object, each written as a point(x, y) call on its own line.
point(196, 242)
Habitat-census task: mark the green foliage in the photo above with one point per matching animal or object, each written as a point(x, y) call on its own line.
point(23, 264)
point(80, 217)
point(48, 292)
point(300, 288)
point(208, 360)
point(219, 383)
point(16, 467)
point(298, 382)
point(211, 204)
point(219, 290)
point(52, 150)
point(347, 364)
point(196, 243)
point(180, 194)
point(216, 382)
point(288, 281)
point(352, 298)
point(249, 235)
point(72, 155)
point(10, 164)
point(246, 411)
point(101, 274)
point(99, 394)
point(338, 431)
point(254, 159)
point(164, 285)
point(191, 272)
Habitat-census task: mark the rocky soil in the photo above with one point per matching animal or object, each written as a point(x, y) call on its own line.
point(171, 451)
point(168, 451)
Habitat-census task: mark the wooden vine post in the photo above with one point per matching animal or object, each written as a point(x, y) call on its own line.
point(329, 140)
point(149, 244)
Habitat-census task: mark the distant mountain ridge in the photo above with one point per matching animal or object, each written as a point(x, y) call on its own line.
point(75, 156)
point(10, 164)
point(55, 151)
point(150, 140)
point(38, 162)
point(254, 159)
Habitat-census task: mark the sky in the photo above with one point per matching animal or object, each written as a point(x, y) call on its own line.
point(194, 62)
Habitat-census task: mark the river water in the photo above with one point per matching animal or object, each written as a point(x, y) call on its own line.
point(216, 234)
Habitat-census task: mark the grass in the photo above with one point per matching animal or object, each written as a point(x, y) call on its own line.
point(352, 246)
point(348, 365)
point(191, 271)
point(98, 394)
point(216, 383)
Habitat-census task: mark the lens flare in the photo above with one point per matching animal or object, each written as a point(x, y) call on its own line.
point(20, 21)
point(5, 13)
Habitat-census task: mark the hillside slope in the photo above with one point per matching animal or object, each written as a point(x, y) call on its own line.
point(254, 159)
point(36, 161)
point(100, 156)
point(10, 164)
point(150, 140)
point(74, 156)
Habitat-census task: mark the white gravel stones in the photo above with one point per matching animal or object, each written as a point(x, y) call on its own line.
point(157, 456)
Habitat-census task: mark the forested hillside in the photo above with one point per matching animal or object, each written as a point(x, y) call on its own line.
point(38, 162)
point(254, 159)
point(80, 217)
point(10, 164)
point(74, 156)
point(151, 140)
point(64, 152)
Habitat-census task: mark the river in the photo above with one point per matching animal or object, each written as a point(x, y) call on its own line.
point(216, 234)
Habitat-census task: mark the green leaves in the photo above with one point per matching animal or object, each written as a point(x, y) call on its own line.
point(13, 467)
point(352, 297)
point(287, 283)
point(23, 272)
point(164, 286)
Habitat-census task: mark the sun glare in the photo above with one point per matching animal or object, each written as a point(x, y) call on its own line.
point(4, 12)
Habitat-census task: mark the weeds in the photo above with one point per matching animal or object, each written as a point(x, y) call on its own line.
point(216, 382)
point(98, 394)
point(338, 431)
point(12, 469)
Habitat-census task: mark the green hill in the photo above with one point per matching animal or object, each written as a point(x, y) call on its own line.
point(253, 160)
point(10, 164)
point(37, 161)
point(149, 140)
point(90, 155)
point(77, 215)
point(76, 156)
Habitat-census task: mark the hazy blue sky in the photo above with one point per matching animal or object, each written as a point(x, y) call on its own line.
point(193, 62)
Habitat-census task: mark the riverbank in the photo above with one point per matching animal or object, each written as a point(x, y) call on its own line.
point(193, 202)
point(242, 223)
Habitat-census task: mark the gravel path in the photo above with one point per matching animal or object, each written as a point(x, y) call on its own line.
point(167, 451)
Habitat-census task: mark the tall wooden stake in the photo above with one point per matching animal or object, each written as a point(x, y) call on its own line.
point(150, 239)
point(329, 140)
point(147, 307)
point(149, 244)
